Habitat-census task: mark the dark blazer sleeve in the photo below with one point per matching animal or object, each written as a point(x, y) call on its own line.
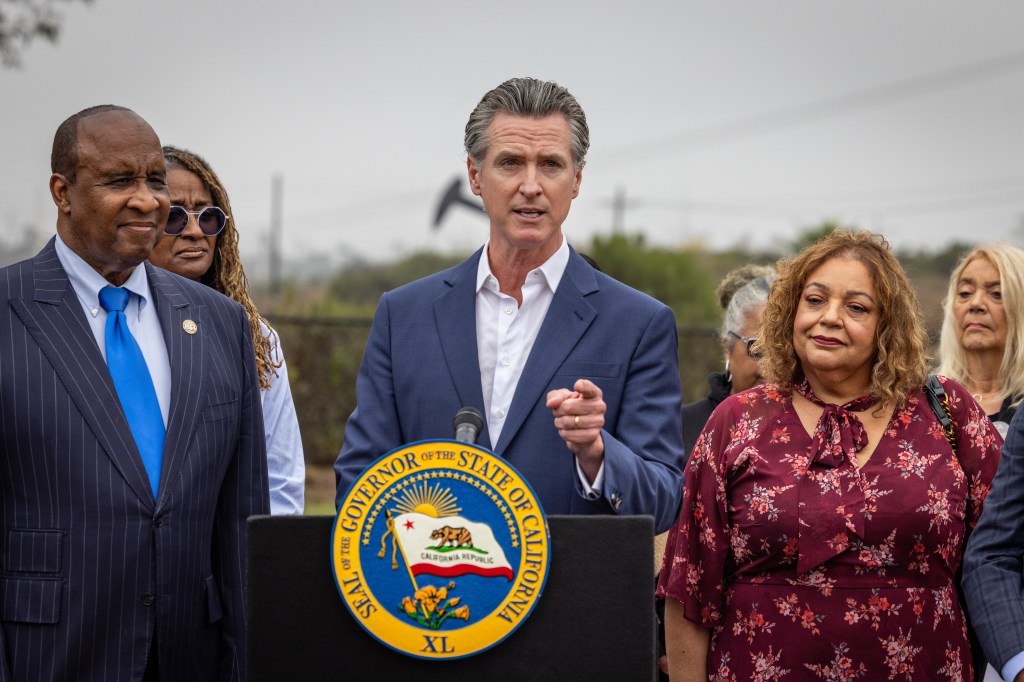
point(244, 493)
point(993, 563)
point(643, 458)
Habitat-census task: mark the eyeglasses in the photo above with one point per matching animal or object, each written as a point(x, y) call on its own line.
point(211, 220)
point(747, 341)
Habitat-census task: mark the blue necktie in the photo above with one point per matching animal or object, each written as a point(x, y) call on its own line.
point(134, 385)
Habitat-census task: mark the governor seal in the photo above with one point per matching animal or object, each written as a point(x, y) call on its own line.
point(440, 550)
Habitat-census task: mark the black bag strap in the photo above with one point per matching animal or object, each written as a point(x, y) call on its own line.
point(940, 406)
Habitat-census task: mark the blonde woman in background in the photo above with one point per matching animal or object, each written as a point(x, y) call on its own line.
point(982, 342)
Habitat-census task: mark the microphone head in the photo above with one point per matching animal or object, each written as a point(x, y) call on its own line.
point(469, 416)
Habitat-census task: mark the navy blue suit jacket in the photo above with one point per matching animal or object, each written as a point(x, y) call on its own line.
point(421, 366)
point(994, 560)
point(92, 565)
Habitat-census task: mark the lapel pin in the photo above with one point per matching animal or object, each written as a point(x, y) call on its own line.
point(190, 327)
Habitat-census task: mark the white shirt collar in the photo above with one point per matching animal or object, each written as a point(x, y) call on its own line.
point(551, 270)
point(87, 282)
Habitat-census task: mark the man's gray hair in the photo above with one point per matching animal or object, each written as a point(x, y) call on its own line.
point(533, 98)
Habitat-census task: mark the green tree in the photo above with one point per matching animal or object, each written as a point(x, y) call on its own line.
point(678, 278)
point(363, 283)
point(812, 234)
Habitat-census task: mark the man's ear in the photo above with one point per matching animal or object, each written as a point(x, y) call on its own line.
point(60, 191)
point(577, 181)
point(474, 175)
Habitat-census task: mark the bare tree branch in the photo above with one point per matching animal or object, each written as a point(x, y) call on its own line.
point(22, 21)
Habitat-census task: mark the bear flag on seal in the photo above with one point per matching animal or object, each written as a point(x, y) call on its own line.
point(449, 546)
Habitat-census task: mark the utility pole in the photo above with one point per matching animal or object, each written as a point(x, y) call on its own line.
point(619, 210)
point(276, 198)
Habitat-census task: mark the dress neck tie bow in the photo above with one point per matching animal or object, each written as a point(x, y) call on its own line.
point(831, 500)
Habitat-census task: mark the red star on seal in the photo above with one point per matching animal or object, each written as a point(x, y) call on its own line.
point(408, 524)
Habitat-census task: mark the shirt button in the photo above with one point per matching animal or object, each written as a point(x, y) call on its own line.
point(501, 414)
point(147, 599)
point(508, 311)
point(506, 361)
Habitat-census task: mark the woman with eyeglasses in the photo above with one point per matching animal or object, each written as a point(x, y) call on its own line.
point(200, 242)
point(743, 293)
point(825, 512)
point(742, 371)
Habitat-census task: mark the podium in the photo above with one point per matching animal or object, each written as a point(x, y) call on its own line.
point(595, 619)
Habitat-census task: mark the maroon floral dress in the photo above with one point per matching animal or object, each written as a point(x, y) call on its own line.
point(806, 568)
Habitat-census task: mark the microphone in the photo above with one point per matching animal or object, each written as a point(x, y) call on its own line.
point(467, 424)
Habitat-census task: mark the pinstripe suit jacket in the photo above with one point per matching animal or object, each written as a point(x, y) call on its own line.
point(994, 561)
point(92, 565)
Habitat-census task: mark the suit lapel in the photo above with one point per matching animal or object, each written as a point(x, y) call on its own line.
point(567, 319)
point(55, 320)
point(455, 313)
point(186, 353)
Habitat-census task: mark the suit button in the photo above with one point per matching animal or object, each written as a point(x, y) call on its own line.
point(147, 599)
point(158, 521)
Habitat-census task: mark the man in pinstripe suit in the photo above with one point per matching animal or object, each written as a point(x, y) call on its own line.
point(994, 562)
point(102, 579)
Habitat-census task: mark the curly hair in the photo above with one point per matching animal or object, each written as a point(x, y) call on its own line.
point(1009, 263)
point(900, 364)
point(226, 274)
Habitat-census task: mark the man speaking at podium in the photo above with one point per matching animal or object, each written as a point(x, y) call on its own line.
point(575, 373)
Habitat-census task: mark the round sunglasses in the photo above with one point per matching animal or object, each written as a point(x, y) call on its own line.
point(211, 220)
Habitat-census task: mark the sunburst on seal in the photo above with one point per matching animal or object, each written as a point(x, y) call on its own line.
point(430, 500)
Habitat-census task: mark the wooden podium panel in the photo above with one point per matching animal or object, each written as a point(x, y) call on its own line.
point(595, 620)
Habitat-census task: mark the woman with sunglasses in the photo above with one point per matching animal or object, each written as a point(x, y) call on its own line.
point(742, 371)
point(200, 242)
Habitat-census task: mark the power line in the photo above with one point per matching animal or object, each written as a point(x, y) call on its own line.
point(984, 199)
point(352, 216)
point(830, 106)
point(901, 194)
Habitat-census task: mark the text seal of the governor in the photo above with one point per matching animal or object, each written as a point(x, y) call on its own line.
point(440, 549)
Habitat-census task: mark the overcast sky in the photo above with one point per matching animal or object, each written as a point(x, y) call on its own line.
point(722, 122)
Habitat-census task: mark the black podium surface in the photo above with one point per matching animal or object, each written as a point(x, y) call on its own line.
point(595, 620)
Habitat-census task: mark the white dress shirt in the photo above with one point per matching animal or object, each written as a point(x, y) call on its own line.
point(286, 465)
point(505, 332)
point(140, 313)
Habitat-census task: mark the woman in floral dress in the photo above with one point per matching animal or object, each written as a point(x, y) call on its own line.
point(825, 513)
